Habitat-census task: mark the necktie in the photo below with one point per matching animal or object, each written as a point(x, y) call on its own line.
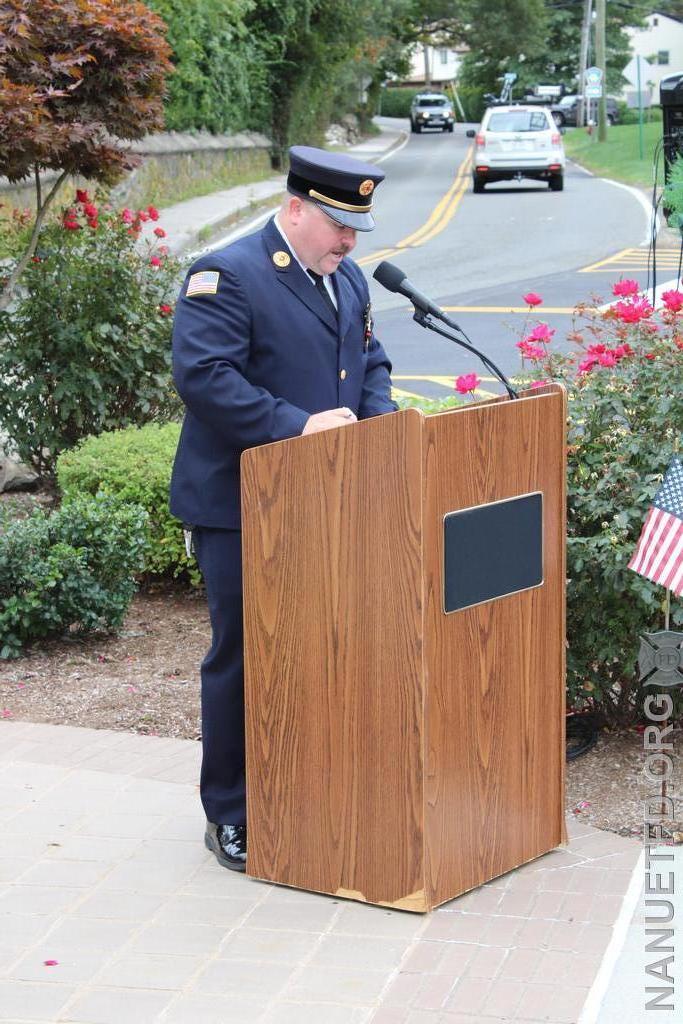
point(320, 286)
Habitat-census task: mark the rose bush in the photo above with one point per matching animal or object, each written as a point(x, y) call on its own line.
point(86, 345)
point(625, 390)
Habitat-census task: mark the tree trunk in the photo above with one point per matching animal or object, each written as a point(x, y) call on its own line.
point(425, 54)
point(41, 209)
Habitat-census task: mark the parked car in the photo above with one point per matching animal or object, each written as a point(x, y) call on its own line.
point(518, 142)
point(566, 111)
point(431, 110)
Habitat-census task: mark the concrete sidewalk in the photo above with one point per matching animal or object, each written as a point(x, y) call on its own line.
point(188, 224)
point(103, 869)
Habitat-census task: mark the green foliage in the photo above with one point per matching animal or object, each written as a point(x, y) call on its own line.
point(429, 406)
point(473, 102)
point(673, 193)
point(71, 570)
point(86, 347)
point(220, 82)
point(396, 102)
point(496, 43)
point(135, 466)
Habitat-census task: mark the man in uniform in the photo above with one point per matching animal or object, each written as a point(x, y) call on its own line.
point(272, 338)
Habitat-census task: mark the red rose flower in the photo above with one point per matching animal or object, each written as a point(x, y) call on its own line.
point(532, 299)
point(155, 261)
point(153, 212)
point(82, 196)
point(127, 216)
point(93, 223)
point(607, 359)
point(165, 309)
point(160, 233)
point(142, 216)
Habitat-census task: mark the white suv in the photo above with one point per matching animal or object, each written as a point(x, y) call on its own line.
point(518, 142)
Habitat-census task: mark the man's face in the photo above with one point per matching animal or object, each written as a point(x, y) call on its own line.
point(319, 241)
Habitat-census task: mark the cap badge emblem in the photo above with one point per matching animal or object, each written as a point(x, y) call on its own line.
point(281, 259)
point(366, 187)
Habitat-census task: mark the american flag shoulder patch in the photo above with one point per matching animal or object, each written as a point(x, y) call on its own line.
point(203, 283)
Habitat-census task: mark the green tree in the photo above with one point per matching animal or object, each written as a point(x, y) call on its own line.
point(559, 60)
point(305, 46)
point(76, 79)
point(498, 45)
point(220, 82)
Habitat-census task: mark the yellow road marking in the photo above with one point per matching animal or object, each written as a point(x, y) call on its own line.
point(438, 219)
point(536, 311)
point(400, 393)
point(446, 382)
point(632, 259)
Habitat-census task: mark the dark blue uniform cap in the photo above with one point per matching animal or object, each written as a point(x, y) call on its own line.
point(340, 185)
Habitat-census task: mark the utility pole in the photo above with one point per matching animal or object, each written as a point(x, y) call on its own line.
point(601, 63)
point(425, 54)
point(583, 61)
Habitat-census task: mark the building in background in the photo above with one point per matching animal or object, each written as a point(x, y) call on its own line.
point(660, 48)
point(433, 66)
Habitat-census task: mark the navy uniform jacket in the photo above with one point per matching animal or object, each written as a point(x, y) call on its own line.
point(255, 360)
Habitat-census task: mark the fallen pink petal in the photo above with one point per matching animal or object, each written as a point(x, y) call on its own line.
point(51, 963)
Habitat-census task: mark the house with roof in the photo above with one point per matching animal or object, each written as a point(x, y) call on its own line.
point(657, 50)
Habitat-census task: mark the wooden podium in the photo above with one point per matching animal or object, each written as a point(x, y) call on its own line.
point(405, 743)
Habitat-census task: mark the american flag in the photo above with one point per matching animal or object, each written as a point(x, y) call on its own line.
point(659, 555)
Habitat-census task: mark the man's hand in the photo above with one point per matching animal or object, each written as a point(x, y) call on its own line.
point(328, 419)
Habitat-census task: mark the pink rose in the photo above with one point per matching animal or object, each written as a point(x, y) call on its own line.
point(673, 300)
point(466, 383)
point(541, 333)
point(625, 288)
point(532, 299)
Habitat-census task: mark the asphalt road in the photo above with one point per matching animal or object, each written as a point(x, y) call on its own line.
point(482, 253)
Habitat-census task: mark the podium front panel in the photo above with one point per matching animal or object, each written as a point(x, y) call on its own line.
point(494, 756)
point(334, 675)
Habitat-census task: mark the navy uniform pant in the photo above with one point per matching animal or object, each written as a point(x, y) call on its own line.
point(223, 792)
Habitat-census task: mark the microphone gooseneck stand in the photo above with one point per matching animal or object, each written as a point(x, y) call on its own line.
point(426, 320)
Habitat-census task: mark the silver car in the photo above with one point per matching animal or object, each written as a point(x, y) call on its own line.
point(431, 110)
point(518, 142)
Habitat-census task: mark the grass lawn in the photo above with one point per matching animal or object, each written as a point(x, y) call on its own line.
point(619, 157)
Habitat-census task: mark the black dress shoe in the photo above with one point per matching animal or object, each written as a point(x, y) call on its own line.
point(228, 843)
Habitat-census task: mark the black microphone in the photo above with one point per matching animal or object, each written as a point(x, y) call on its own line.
point(394, 280)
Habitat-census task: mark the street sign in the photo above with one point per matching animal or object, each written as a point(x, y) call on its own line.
point(592, 78)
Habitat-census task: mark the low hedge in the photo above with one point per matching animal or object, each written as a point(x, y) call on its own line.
point(73, 569)
point(134, 465)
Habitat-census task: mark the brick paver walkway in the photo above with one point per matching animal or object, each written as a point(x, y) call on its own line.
point(103, 869)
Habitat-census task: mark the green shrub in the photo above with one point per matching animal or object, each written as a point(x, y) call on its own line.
point(135, 466)
point(72, 569)
point(396, 102)
point(87, 345)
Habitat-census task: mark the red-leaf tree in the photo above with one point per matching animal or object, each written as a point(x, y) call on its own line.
point(77, 78)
